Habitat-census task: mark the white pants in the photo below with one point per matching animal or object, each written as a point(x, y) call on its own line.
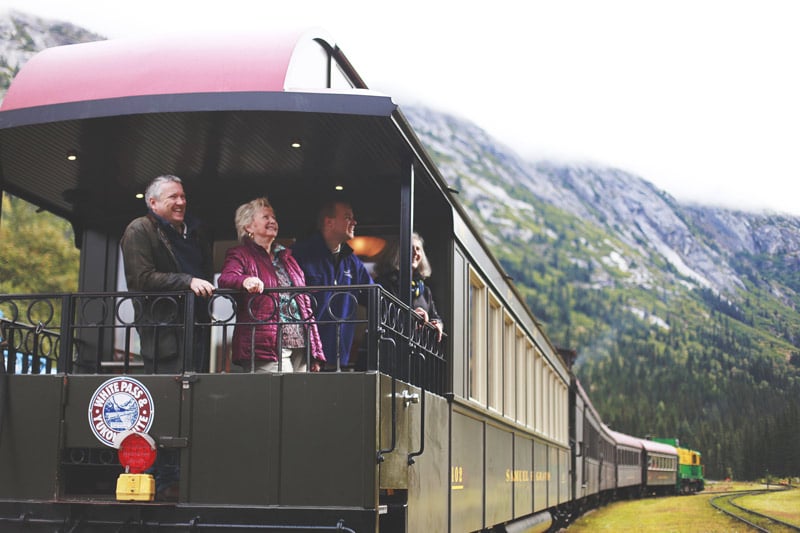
point(292, 360)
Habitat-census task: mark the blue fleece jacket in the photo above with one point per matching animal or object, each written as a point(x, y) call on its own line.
point(320, 268)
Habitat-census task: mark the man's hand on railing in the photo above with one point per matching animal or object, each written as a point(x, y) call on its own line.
point(201, 287)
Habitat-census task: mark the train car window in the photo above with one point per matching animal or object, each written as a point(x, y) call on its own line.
point(495, 338)
point(539, 391)
point(565, 414)
point(509, 367)
point(521, 374)
point(557, 411)
point(546, 397)
point(552, 389)
point(588, 433)
point(38, 257)
point(477, 338)
point(562, 413)
point(26, 231)
point(530, 380)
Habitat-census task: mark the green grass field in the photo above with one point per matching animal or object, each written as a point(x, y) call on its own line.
point(784, 505)
point(681, 514)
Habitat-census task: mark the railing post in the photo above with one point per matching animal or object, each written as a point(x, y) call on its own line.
point(188, 332)
point(421, 449)
point(65, 346)
point(373, 325)
point(393, 444)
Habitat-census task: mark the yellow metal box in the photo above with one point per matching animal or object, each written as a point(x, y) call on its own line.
point(136, 487)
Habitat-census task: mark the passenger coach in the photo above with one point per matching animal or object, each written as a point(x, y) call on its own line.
point(464, 435)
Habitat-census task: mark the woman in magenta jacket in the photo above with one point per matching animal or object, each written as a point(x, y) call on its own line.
point(259, 263)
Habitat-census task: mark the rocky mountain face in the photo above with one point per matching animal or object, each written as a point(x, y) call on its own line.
point(22, 35)
point(648, 226)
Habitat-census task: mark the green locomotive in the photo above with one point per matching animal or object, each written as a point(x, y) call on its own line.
point(690, 468)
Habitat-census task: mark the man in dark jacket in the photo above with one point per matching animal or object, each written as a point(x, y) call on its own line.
point(166, 251)
point(326, 259)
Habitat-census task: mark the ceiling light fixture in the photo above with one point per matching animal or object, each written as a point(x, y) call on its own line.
point(72, 155)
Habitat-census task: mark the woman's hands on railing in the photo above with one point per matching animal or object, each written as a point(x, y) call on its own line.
point(435, 323)
point(253, 285)
point(439, 327)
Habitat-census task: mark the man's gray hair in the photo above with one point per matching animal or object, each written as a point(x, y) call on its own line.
point(154, 189)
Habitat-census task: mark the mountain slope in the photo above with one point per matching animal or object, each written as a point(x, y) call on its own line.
point(22, 35)
point(684, 316)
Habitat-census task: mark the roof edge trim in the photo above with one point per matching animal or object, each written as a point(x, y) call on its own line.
point(351, 103)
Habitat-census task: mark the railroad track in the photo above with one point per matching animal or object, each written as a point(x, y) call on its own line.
point(759, 521)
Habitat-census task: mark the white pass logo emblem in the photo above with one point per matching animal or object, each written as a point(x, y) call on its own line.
point(119, 405)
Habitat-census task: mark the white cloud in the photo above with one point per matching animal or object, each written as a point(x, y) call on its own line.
point(699, 97)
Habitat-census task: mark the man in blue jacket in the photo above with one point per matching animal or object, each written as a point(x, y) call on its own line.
point(326, 259)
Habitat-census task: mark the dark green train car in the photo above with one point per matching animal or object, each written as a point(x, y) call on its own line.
point(467, 434)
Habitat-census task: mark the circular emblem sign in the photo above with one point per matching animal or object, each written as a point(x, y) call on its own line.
point(119, 405)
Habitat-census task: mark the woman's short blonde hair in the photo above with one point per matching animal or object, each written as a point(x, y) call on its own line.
point(246, 212)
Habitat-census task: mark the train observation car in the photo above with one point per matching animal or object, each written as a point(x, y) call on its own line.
point(410, 434)
point(690, 468)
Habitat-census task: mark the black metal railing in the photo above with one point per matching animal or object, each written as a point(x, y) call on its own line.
point(129, 332)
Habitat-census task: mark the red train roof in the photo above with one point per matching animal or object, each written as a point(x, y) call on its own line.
point(164, 65)
point(284, 112)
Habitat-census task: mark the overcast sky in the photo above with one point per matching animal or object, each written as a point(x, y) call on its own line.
point(701, 98)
